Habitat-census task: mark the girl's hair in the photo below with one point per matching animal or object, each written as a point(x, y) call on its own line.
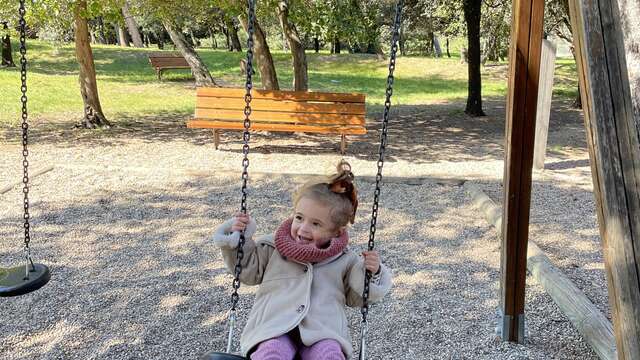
point(336, 191)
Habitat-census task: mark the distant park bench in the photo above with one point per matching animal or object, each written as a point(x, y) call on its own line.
point(161, 61)
point(296, 111)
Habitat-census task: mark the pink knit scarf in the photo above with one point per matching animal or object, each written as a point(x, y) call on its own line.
point(289, 248)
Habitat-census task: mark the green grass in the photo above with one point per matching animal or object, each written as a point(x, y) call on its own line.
point(565, 84)
point(128, 85)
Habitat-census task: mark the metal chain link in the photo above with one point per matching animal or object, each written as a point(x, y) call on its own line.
point(383, 144)
point(25, 135)
point(245, 165)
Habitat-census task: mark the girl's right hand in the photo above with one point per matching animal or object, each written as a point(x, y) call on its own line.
point(240, 222)
point(228, 234)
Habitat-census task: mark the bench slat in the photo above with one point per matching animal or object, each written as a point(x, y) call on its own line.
point(283, 106)
point(166, 57)
point(283, 95)
point(203, 123)
point(165, 54)
point(171, 67)
point(173, 62)
point(284, 117)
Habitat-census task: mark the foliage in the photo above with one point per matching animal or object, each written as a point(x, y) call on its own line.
point(52, 20)
point(356, 23)
point(556, 19)
point(424, 18)
point(496, 29)
point(360, 25)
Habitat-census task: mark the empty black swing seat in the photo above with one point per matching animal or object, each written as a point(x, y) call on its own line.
point(221, 356)
point(14, 282)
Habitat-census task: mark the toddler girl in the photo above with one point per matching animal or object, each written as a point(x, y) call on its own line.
point(307, 274)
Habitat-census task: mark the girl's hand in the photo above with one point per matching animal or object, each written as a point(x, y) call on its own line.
point(240, 223)
point(371, 261)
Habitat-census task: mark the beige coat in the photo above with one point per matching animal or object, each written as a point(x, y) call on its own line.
point(309, 296)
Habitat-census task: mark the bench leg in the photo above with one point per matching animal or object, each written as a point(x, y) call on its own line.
point(343, 144)
point(159, 75)
point(216, 138)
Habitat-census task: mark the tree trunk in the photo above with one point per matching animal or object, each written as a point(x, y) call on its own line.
point(198, 68)
point(117, 33)
point(336, 45)
point(132, 26)
point(93, 116)
point(214, 44)
point(448, 53)
point(472, 13)
point(7, 57)
point(372, 48)
point(492, 48)
point(316, 44)
point(194, 40)
point(430, 37)
point(436, 46)
point(160, 38)
point(285, 46)
point(102, 39)
point(233, 36)
point(122, 36)
point(484, 53)
point(262, 56)
point(300, 75)
point(577, 103)
point(401, 41)
point(225, 31)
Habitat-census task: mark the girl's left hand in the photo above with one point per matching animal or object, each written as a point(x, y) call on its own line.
point(371, 261)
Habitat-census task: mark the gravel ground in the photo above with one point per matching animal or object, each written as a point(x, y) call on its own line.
point(124, 219)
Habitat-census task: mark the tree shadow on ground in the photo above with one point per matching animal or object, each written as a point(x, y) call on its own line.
point(416, 133)
point(566, 164)
point(563, 224)
point(134, 275)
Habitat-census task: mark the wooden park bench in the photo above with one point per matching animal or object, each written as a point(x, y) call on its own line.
point(161, 61)
point(295, 111)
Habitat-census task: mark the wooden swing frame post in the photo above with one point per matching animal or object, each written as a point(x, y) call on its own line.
point(524, 69)
point(615, 159)
point(614, 150)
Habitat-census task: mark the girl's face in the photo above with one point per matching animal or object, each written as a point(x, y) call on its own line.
point(312, 223)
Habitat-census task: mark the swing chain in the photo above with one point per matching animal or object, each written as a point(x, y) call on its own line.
point(245, 165)
point(25, 133)
point(383, 145)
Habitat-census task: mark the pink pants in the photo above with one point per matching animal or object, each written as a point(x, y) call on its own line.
point(284, 348)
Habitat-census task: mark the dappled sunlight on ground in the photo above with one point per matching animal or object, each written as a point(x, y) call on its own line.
point(125, 220)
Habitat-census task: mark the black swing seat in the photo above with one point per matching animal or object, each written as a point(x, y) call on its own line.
point(213, 355)
point(14, 283)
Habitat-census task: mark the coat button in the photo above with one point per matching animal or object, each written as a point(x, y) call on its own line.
point(300, 308)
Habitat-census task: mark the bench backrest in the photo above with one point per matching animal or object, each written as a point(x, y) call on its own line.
point(167, 60)
point(293, 107)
